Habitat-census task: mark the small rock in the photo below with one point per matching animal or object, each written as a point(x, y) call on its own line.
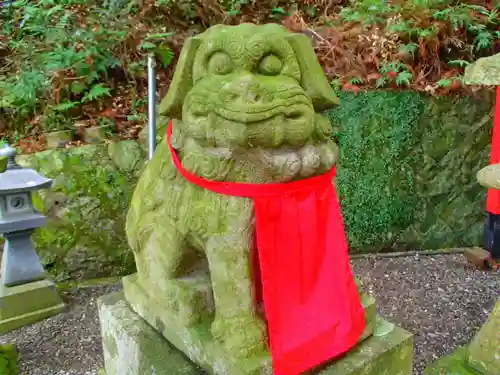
point(485, 71)
point(478, 257)
point(126, 155)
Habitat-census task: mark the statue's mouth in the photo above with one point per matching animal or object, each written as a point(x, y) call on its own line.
point(294, 112)
point(287, 119)
point(292, 107)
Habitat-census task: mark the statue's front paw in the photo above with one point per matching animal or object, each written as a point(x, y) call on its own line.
point(241, 336)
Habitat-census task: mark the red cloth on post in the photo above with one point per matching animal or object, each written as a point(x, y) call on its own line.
point(493, 197)
point(311, 302)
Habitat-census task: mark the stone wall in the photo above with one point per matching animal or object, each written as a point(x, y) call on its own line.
point(406, 180)
point(407, 175)
point(86, 208)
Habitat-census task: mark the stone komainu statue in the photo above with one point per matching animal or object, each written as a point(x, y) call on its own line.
point(245, 102)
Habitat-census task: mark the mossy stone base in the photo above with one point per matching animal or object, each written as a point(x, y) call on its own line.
point(484, 350)
point(453, 364)
point(481, 357)
point(196, 341)
point(132, 346)
point(388, 352)
point(28, 303)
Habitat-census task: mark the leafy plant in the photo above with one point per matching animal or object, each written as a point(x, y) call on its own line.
point(422, 34)
point(396, 72)
point(69, 58)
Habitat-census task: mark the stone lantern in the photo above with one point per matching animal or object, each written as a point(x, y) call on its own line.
point(25, 295)
point(18, 220)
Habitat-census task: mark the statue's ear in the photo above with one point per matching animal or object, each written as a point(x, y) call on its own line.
point(313, 80)
point(182, 82)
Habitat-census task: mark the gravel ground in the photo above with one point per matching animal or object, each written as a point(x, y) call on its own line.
point(437, 298)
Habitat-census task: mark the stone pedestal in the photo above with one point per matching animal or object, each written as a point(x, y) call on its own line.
point(28, 303)
point(453, 364)
point(135, 346)
point(481, 357)
point(8, 360)
point(20, 262)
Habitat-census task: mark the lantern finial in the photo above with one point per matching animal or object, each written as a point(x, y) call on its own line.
point(10, 153)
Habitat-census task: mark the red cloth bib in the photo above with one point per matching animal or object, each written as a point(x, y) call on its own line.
point(311, 302)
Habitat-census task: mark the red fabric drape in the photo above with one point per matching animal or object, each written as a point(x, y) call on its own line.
point(493, 197)
point(311, 302)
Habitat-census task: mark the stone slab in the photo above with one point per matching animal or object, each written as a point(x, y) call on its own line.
point(28, 303)
point(196, 341)
point(452, 364)
point(388, 352)
point(484, 349)
point(132, 347)
point(128, 341)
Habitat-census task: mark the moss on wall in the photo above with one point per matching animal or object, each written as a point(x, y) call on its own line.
point(86, 208)
point(375, 177)
point(407, 175)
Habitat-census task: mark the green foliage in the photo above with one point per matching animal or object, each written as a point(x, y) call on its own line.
point(426, 33)
point(61, 56)
point(375, 178)
point(93, 200)
point(454, 138)
point(417, 19)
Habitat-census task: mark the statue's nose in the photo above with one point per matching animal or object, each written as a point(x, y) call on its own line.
point(246, 91)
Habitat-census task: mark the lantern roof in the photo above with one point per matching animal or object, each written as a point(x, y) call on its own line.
point(17, 179)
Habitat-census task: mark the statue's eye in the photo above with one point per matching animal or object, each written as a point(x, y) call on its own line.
point(220, 63)
point(270, 65)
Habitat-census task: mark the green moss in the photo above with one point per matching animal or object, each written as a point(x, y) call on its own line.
point(3, 164)
point(407, 171)
point(375, 175)
point(453, 364)
point(8, 360)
